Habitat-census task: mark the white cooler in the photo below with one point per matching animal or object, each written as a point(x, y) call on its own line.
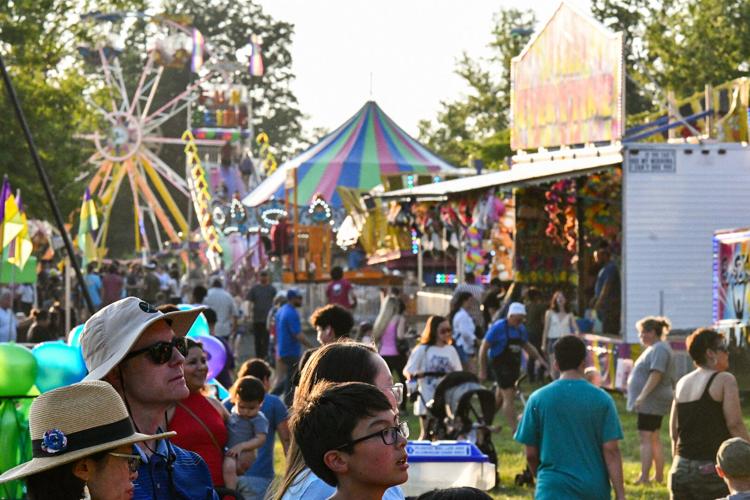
point(446, 464)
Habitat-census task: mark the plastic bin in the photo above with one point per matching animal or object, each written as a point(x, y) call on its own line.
point(447, 464)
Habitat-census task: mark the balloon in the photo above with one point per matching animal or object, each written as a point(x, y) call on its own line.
point(216, 354)
point(10, 441)
point(74, 337)
point(59, 365)
point(200, 326)
point(18, 370)
point(221, 391)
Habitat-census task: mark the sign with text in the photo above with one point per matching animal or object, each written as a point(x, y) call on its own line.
point(568, 84)
point(652, 161)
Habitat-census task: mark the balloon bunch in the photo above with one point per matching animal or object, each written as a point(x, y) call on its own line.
point(475, 258)
point(560, 208)
point(601, 212)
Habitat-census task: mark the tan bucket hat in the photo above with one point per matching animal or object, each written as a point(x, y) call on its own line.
point(111, 332)
point(74, 422)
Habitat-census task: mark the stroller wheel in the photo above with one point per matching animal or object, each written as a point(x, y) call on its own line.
point(525, 478)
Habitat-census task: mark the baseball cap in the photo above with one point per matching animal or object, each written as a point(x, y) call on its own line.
point(293, 293)
point(112, 331)
point(516, 308)
point(734, 457)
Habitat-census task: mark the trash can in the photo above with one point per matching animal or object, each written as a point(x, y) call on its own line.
point(446, 464)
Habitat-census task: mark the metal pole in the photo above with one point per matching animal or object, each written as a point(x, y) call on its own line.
point(45, 183)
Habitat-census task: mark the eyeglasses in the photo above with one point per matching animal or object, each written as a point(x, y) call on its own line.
point(389, 435)
point(134, 461)
point(161, 352)
point(398, 391)
point(720, 348)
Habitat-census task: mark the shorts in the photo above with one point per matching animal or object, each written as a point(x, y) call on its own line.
point(695, 480)
point(648, 422)
point(506, 373)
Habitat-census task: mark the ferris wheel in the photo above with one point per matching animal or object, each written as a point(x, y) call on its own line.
point(129, 138)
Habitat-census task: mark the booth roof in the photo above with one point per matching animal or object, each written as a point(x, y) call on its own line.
point(527, 170)
point(358, 154)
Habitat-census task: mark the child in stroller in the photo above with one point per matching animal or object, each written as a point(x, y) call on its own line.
point(462, 409)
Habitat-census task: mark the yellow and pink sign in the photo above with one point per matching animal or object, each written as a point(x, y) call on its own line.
point(568, 84)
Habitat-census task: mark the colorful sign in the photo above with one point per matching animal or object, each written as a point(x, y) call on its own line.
point(731, 275)
point(568, 84)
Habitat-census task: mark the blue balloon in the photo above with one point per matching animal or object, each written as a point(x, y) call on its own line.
point(58, 365)
point(200, 326)
point(74, 337)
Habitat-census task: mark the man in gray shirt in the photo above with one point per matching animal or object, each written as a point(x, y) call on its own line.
point(261, 295)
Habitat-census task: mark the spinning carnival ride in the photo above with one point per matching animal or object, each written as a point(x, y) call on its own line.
point(129, 140)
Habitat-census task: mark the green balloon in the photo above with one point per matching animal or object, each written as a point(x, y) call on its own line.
point(10, 443)
point(17, 370)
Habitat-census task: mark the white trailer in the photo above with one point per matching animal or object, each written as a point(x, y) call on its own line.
point(675, 196)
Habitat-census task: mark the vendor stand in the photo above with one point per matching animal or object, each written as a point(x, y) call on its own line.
point(590, 182)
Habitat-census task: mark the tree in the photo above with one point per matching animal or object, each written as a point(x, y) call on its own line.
point(678, 45)
point(38, 41)
point(475, 126)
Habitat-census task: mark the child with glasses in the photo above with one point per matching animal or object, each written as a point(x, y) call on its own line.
point(351, 437)
point(247, 428)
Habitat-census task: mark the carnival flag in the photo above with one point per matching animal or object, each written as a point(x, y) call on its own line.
point(256, 58)
point(89, 223)
point(199, 44)
point(20, 248)
point(13, 223)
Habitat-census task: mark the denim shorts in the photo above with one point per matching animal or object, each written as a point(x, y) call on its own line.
point(695, 480)
point(252, 487)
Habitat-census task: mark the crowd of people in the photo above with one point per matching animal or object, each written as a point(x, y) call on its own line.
point(335, 407)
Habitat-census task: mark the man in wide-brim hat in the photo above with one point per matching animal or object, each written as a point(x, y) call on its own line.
point(141, 352)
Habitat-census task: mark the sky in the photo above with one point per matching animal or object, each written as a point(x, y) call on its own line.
point(410, 47)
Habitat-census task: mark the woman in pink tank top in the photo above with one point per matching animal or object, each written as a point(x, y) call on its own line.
point(389, 327)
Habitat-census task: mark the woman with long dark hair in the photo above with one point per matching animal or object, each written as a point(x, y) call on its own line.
point(389, 332)
point(464, 330)
point(429, 362)
point(558, 322)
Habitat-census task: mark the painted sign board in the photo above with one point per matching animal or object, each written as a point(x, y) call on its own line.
point(731, 275)
point(568, 84)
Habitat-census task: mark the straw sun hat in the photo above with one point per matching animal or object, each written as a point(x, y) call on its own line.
point(74, 422)
point(112, 331)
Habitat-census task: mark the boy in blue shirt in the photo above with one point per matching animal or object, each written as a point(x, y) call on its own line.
point(571, 432)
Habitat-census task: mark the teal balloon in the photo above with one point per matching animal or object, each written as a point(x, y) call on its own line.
point(221, 392)
point(200, 327)
point(58, 364)
point(18, 369)
point(74, 337)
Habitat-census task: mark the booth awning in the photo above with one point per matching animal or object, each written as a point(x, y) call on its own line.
point(527, 170)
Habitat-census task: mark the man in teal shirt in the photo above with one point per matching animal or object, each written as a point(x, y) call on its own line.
point(571, 432)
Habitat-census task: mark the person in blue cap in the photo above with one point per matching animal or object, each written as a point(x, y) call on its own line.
point(289, 341)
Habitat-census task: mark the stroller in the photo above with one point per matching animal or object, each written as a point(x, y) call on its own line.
point(462, 409)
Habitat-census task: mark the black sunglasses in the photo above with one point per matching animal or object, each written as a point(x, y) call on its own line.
point(161, 352)
point(389, 435)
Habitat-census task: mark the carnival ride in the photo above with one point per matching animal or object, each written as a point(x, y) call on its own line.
point(130, 137)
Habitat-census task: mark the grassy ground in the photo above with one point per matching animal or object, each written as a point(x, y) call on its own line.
point(513, 461)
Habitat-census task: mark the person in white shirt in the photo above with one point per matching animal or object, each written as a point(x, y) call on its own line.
point(558, 322)
point(223, 303)
point(464, 330)
point(429, 362)
point(8, 322)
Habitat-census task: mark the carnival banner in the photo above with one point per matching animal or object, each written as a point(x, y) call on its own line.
point(731, 272)
point(567, 84)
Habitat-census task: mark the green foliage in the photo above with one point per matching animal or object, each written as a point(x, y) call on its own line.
point(38, 40)
point(678, 45)
point(475, 127)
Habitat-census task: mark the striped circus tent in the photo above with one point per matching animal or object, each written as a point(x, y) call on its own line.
point(358, 154)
